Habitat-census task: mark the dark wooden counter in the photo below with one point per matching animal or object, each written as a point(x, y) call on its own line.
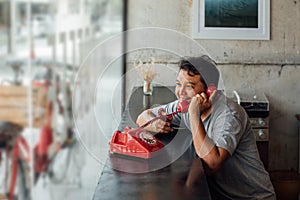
point(182, 176)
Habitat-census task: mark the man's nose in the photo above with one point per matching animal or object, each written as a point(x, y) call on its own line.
point(182, 91)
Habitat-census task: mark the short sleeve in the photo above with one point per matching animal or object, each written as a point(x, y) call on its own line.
point(227, 131)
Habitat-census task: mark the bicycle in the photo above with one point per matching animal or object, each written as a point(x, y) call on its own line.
point(15, 158)
point(15, 151)
point(16, 176)
point(49, 149)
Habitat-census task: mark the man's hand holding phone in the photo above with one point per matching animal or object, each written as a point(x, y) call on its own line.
point(159, 124)
point(200, 103)
point(162, 125)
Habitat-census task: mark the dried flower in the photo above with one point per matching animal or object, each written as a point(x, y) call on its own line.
point(147, 70)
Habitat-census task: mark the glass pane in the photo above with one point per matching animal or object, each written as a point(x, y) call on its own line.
point(45, 44)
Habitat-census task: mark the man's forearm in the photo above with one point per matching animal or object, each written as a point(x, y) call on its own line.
point(212, 155)
point(158, 125)
point(144, 117)
point(203, 144)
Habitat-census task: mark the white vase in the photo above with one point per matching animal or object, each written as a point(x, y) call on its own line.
point(148, 88)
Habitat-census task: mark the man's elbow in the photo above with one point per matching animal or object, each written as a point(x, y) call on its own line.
point(213, 162)
point(211, 167)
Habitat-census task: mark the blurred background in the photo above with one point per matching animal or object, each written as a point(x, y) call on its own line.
point(43, 44)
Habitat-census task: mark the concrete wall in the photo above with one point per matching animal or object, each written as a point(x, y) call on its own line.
point(270, 66)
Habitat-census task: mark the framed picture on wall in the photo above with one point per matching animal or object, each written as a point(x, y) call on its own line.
point(232, 20)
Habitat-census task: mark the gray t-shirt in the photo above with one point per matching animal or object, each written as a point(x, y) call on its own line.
point(242, 176)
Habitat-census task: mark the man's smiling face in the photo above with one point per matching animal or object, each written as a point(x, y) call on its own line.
point(188, 86)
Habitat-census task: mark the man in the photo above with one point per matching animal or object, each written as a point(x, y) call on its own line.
point(222, 134)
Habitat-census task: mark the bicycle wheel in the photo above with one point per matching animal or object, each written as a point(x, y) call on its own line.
point(15, 176)
point(23, 181)
point(14, 153)
point(58, 167)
